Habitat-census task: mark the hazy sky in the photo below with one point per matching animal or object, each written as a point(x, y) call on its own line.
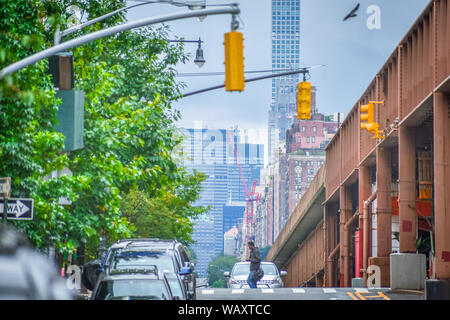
point(352, 55)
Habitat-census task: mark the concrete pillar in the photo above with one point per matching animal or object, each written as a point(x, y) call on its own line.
point(407, 189)
point(365, 190)
point(384, 215)
point(442, 184)
point(345, 204)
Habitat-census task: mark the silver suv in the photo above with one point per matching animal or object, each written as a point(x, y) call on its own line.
point(239, 274)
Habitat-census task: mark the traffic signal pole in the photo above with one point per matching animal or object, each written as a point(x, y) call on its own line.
point(304, 71)
point(234, 10)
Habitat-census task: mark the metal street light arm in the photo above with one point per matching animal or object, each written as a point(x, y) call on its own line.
point(98, 19)
point(60, 34)
point(110, 31)
point(304, 71)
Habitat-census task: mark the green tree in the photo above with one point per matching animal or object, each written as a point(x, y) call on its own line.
point(217, 267)
point(169, 215)
point(30, 149)
point(129, 83)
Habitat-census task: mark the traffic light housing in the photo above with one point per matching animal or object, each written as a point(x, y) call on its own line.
point(234, 61)
point(367, 116)
point(304, 100)
point(368, 120)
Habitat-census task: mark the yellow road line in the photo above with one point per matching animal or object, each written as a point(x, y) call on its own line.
point(383, 295)
point(379, 295)
point(352, 296)
point(360, 296)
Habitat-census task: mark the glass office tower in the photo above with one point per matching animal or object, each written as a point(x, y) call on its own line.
point(210, 151)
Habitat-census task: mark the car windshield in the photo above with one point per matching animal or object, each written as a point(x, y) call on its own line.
point(244, 269)
point(141, 259)
point(132, 289)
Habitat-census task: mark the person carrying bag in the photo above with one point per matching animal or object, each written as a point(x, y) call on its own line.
point(256, 272)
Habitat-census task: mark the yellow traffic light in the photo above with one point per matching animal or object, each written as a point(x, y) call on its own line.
point(234, 61)
point(304, 100)
point(368, 120)
point(367, 116)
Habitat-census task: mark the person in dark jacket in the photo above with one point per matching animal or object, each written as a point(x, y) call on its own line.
point(255, 263)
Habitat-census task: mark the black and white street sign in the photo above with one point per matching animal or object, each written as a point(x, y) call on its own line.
point(19, 209)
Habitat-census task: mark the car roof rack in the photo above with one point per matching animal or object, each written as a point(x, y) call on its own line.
point(164, 243)
point(146, 239)
point(150, 269)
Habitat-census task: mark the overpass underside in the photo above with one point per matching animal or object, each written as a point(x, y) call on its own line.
point(388, 195)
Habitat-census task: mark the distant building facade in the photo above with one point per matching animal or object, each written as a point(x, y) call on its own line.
point(230, 242)
point(212, 151)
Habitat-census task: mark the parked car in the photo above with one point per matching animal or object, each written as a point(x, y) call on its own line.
point(168, 255)
point(183, 265)
point(239, 274)
point(176, 286)
point(134, 284)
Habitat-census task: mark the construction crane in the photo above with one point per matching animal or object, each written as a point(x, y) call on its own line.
point(251, 197)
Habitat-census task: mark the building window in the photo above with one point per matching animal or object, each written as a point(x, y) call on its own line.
point(314, 128)
point(303, 129)
point(313, 139)
point(307, 139)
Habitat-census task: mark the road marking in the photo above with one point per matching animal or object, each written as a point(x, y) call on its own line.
point(237, 291)
point(267, 290)
point(328, 290)
point(352, 296)
point(298, 290)
point(379, 295)
point(383, 295)
point(207, 291)
point(360, 296)
point(361, 290)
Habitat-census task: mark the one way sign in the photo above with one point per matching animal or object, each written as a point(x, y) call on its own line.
point(18, 209)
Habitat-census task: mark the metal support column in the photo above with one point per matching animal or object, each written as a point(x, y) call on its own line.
point(442, 184)
point(346, 214)
point(384, 215)
point(407, 190)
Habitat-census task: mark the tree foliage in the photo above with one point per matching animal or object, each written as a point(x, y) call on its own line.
point(217, 267)
point(127, 177)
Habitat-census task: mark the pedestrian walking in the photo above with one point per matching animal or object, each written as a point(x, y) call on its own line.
point(255, 264)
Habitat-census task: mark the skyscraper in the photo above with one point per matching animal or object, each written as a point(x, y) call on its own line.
point(285, 56)
point(212, 151)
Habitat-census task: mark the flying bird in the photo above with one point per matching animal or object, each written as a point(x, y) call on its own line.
point(352, 14)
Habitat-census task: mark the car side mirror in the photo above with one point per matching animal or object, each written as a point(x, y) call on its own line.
point(283, 273)
point(189, 265)
point(226, 274)
point(185, 271)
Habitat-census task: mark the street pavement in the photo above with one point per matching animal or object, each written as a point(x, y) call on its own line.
point(307, 294)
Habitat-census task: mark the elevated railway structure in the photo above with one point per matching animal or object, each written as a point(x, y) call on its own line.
point(387, 195)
